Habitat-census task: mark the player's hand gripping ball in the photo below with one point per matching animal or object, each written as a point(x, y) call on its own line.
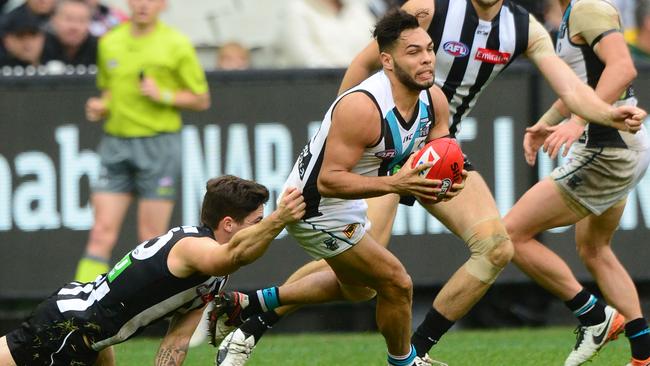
point(447, 159)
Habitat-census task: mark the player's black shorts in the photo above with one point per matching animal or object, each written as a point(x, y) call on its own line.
point(47, 338)
point(410, 200)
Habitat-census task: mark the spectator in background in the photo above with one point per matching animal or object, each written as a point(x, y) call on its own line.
point(147, 73)
point(627, 8)
point(22, 40)
point(104, 18)
point(640, 46)
point(42, 9)
point(323, 33)
point(69, 41)
point(233, 56)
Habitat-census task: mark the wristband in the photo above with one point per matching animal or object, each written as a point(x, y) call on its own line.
point(167, 97)
point(552, 117)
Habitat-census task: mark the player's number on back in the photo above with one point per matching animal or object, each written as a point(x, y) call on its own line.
point(145, 251)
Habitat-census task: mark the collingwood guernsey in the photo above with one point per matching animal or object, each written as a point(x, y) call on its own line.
point(471, 52)
point(139, 290)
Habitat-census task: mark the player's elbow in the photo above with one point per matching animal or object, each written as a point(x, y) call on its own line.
point(623, 68)
point(629, 72)
point(326, 186)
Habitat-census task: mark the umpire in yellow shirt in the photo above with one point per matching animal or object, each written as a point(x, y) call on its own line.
point(147, 71)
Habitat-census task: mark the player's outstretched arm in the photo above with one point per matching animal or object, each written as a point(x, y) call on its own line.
point(174, 346)
point(577, 96)
point(363, 64)
point(247, 245)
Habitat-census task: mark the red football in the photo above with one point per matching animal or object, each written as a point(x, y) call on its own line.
point(447, 158)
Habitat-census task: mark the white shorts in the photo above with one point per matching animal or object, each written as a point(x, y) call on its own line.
point(597, 178)
point(333, 232)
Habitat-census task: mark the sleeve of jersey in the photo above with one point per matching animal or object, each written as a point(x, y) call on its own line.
point(540, 44)
point(190, 71)
point(592, 20)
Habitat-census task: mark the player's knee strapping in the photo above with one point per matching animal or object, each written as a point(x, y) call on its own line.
point(490, 248)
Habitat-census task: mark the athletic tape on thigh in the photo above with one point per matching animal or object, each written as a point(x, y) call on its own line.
point(482, 239)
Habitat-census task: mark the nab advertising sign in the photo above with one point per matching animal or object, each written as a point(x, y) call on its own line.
point(257, 126)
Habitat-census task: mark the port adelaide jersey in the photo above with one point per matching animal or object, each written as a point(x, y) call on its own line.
point(397, 140)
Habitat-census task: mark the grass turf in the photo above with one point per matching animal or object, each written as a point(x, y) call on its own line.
point(512, 347)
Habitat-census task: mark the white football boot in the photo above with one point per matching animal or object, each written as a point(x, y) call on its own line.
point(590, 339)
point(235, 349)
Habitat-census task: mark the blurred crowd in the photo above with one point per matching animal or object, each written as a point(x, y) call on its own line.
point(60, 36)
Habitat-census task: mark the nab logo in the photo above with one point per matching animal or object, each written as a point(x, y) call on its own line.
point(456, 49)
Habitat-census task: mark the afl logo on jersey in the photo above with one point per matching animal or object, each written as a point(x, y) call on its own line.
point(456, 49)
point(386, 154)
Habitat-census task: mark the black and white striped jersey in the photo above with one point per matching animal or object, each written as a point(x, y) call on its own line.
point(139, 290)
point(470, 52)
point(587, 65)
point(399, 138)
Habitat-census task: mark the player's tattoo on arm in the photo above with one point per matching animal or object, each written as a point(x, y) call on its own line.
point(170, 356)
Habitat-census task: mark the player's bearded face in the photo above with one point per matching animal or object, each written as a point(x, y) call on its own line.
point(409, 79)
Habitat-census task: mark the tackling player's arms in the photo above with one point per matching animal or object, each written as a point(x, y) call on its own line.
point(174, 346)
point(206, 256)
point(578, 97)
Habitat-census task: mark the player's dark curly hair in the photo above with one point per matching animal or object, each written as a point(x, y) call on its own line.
point(231, 196)
point(388, 29)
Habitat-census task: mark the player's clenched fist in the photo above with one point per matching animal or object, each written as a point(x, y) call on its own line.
point(628, 118)
point(291, 206)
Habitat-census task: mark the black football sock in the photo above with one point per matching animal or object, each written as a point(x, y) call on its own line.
point(429, 332)
point(261, 301)
point(257, 325)
point(638, 334)
point(587, 308)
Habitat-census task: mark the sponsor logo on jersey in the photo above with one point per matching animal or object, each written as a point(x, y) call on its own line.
point(425, 126)
point(303, 161)
point(456, 49)
point(349, 230)
point(386, 154)
point(407, 138)
point(492, 56)
point(331, 244)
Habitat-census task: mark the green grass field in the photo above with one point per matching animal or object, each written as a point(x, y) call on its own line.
point(518, 347)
